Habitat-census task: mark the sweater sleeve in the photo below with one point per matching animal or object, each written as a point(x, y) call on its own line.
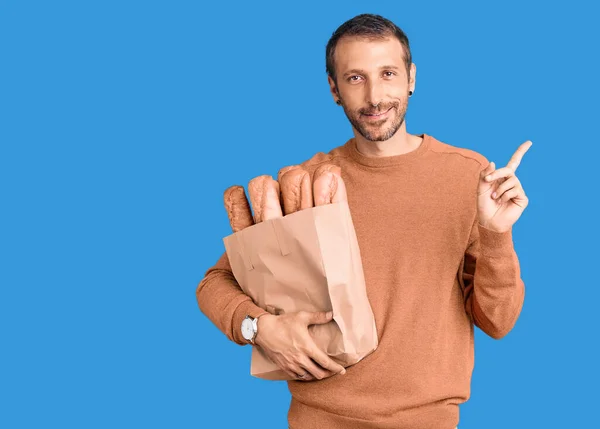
point(222, 300)
point(491, 279)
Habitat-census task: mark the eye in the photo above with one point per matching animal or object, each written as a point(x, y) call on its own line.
point(389, 73)
point(351, 78)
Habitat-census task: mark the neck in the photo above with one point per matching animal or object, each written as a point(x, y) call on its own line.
point(400, 143)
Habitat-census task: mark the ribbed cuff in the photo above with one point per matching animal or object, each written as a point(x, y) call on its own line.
point(246, 308)
point(495, 244)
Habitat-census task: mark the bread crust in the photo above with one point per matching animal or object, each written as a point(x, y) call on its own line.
point(237, 207)
point(264, 198)
point(328, 185)
point(296, 189)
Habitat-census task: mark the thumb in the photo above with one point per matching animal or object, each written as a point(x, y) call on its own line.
point(487, 170)
point(320, 317)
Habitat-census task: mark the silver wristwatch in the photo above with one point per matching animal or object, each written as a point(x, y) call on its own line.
point(250, 328)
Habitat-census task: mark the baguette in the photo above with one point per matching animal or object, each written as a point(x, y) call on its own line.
point(237, 207)
point(264, 197)
point(296, 189)
point(285, 170)
point(328, 185)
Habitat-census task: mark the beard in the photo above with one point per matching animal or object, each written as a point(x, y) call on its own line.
point(383, 129)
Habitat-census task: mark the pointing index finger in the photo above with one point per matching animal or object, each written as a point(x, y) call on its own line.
point(515, 160)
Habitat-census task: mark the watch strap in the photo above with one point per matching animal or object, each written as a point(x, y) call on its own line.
point(255, 314)
point(255, 322)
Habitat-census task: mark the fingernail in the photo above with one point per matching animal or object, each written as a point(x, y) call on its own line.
point(343, 371)
point(494, 195)
point(488, 178)
point(329, 313)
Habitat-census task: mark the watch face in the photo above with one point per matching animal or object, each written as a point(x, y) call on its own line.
point(247, 329)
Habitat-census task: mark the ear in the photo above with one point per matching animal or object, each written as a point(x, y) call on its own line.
point(412, 80)
point(332, 88)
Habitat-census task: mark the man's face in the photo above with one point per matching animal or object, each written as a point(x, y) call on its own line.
point(372, 73)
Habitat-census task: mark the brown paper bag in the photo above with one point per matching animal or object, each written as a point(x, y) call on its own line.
point(308, 260)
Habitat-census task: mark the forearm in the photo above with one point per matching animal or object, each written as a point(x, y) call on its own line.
point(222, 300)
point(498, 290)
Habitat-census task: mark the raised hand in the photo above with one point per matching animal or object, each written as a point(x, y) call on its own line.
point(500, 197)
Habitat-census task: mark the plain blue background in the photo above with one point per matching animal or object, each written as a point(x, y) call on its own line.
point(122, 123)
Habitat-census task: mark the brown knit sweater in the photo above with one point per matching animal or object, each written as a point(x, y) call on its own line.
point(431, 272)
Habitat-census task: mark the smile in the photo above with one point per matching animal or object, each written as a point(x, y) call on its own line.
point(378, 116)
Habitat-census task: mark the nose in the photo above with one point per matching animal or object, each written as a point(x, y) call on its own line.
point(374, 94)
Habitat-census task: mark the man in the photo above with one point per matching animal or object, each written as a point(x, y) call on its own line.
point(434, 225)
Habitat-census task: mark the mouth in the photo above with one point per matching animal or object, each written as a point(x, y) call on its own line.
point(376, 116)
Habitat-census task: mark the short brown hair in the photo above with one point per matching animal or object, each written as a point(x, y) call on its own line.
point(371, 27)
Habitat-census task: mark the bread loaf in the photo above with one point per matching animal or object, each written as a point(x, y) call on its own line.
point(284, 170)
point(296, 189)
point(292, 190)
point(264, 197)
point(237, 207)
point(328, 185)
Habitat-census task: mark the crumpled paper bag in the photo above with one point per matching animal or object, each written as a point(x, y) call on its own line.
point(308, 260)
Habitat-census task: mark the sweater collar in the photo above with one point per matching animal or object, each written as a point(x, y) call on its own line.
point(385, 161)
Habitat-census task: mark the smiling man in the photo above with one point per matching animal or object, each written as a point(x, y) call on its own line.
point(434, 226)
point(376, 76)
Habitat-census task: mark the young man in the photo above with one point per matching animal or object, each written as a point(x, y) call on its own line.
point(436, 244)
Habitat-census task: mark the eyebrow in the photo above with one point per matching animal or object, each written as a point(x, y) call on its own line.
point(353, 71)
